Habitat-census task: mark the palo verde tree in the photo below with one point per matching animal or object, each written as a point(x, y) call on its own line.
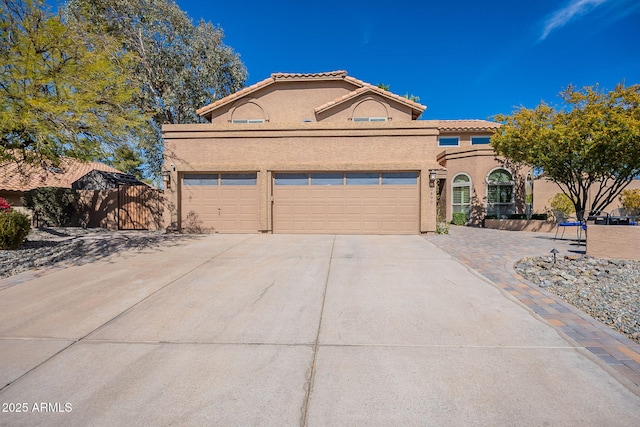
point(589, 147)
point(180, 66)
point(61, 93)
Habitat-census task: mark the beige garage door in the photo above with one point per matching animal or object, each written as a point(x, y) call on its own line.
point(346, 203)
point(220, 203)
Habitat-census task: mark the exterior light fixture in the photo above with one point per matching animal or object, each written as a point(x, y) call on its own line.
point(554, 251)
point(166, 179)
point(432, 178)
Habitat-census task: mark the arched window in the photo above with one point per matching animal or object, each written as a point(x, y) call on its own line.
point(500, 201)
point(461, 194)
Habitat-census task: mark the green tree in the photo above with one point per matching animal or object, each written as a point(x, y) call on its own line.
point(180, 66)
point(591, 145)
point(411, 97)
point(630, 200)
point(61, 93)
point(126, 159)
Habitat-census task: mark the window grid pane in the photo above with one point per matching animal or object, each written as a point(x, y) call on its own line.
point(363, 178)
point(292, 179)
point(200, 179)
point(399, 178)
point(238, 179)
point(327, 178)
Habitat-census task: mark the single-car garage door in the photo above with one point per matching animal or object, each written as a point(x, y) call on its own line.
point(219, 203)
point(346, 202)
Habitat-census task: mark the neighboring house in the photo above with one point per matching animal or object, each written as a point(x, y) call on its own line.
point(15, 180)
point(108, 198)
point(105, 180)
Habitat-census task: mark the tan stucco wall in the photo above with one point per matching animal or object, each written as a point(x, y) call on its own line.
point(477, 162)
point(267, 148)
point(544, 190)
point(295, 102)
point(613, 241)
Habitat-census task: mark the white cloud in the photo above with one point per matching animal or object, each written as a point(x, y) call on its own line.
point(562, 17)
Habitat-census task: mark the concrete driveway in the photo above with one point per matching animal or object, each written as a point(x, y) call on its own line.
point(278, 330)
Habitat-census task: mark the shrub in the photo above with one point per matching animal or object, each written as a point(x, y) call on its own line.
point(442, 227)
point(630, 200)
point(52, 206)
point(4, 205)
point(561, 202)
point(14, 227)
point(459, 218)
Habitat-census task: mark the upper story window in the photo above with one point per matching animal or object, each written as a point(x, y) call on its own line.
point(448, 141)
point(241, 121)
point(480, 140)
point(369, 119)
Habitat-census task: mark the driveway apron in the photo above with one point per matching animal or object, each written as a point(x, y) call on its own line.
point(279, 330)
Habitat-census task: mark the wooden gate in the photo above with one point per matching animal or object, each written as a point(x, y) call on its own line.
point(133, 209)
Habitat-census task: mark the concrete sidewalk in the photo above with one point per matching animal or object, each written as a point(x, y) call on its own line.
point(292, 330)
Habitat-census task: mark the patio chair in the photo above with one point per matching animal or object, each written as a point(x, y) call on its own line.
point(563, 221)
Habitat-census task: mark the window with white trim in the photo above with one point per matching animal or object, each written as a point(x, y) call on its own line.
point(500, 200)
point(247, 121)
point(480, 140)
point(448, 141)
point(461, 194)
point(369, 119)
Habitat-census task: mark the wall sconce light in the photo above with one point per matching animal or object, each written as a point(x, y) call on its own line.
point(432, 178)
point(166, 179)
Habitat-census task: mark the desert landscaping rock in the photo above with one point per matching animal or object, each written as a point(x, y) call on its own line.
point(607, 290)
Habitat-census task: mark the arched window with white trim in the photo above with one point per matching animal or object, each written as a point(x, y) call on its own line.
point(461, 194)
point(500, 200)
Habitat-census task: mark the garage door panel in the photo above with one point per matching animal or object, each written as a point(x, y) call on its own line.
point(353, 208)
point(318, 209)
point(207, 206)
point(335, 209)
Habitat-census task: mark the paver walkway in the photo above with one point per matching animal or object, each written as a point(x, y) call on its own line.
point(493, 253)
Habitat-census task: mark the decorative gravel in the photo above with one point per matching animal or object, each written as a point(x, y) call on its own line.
point(47, 247)
point(607, 290)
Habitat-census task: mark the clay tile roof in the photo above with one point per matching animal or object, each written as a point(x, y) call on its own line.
point(467, 125)
point(367, 87)
point(315, 76)
point(399, 98)
point(242, 92)
point(70, 170)
point(328, 75)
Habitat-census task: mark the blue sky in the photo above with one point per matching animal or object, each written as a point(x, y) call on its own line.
point(463, 58)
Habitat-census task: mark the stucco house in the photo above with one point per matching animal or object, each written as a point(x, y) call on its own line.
point(328, 153)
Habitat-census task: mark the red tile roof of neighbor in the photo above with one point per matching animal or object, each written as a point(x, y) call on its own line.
point(330, 75)
point(15, 178)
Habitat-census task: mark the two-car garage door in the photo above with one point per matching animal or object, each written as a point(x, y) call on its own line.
point(346, 203)
point(308, 202)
